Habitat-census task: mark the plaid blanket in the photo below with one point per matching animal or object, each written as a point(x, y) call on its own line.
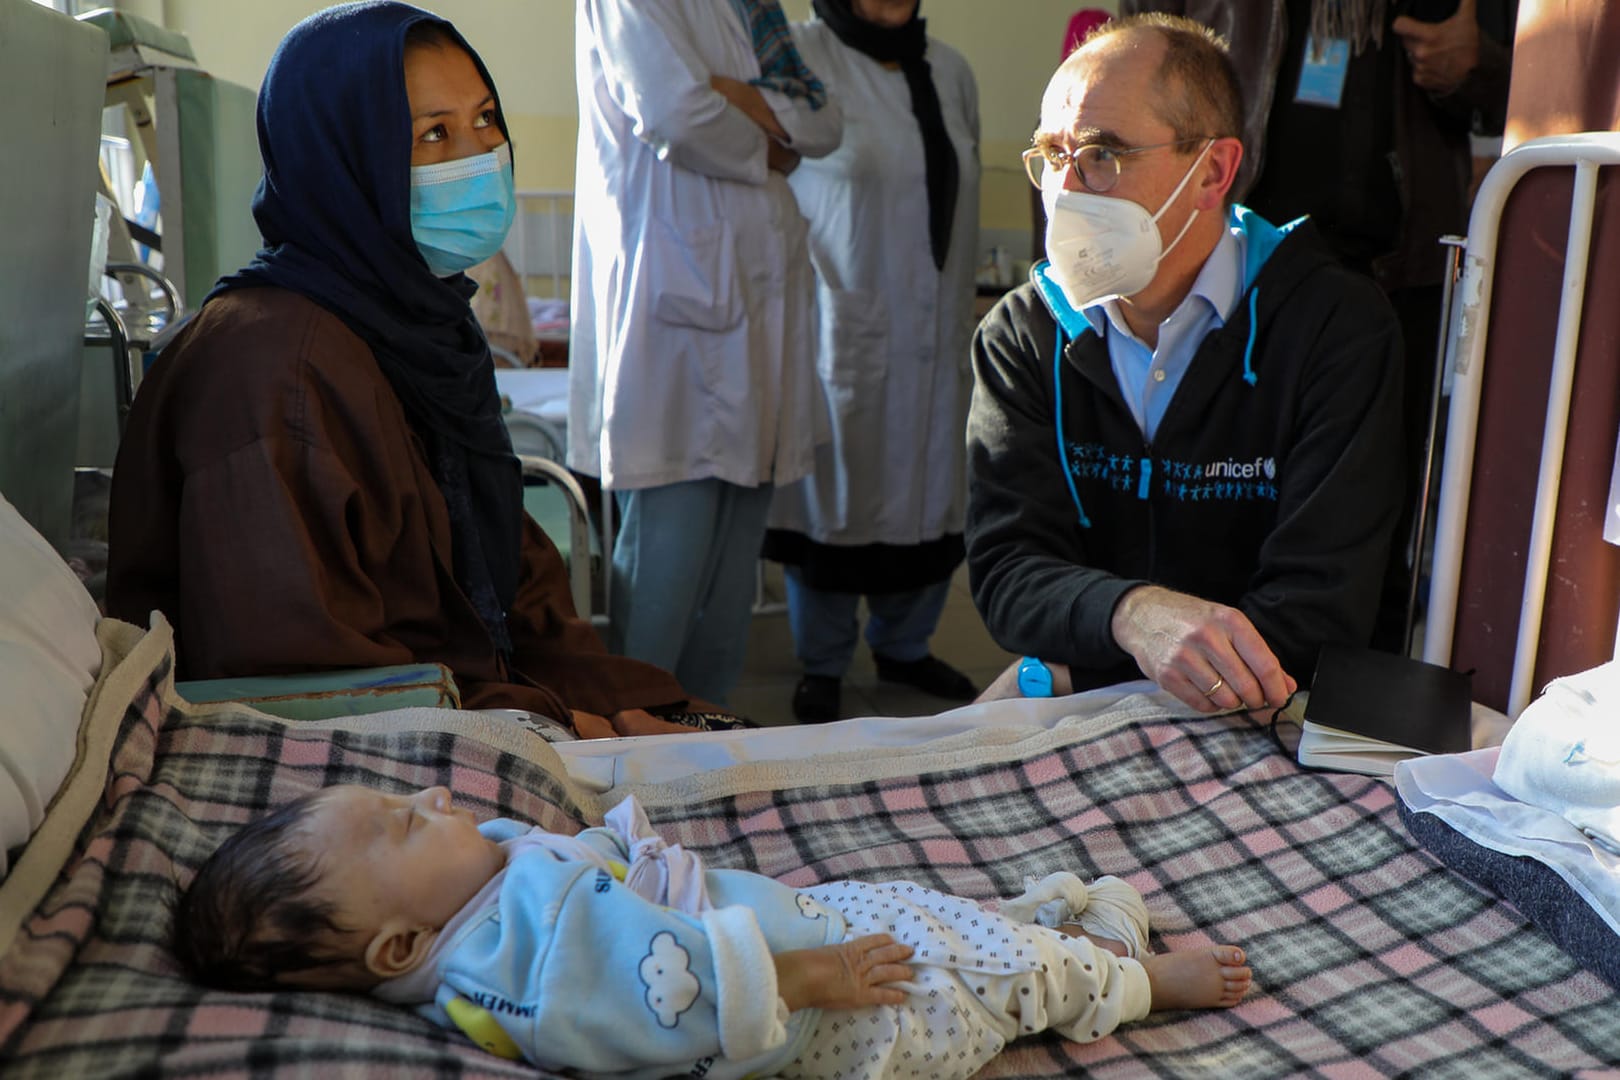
point(1370, 957)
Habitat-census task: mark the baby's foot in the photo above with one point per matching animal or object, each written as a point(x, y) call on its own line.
point(1198, 978)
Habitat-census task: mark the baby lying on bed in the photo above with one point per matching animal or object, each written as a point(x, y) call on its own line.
point(612, 953)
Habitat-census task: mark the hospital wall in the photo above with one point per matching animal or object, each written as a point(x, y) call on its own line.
point(1012, 45)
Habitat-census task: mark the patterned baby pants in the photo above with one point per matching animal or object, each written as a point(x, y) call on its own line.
point(979, 980)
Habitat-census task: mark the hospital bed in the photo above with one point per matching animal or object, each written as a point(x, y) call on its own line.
point(538, 415)
point(1370, 957)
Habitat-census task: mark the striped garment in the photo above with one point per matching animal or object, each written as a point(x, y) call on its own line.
point(1370, 958)
point(780, 66)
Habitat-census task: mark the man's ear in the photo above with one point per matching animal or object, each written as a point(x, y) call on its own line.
point(1219, 173)
point(399, 950)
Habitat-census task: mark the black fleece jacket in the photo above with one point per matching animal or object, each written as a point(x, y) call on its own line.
point(1276, 496)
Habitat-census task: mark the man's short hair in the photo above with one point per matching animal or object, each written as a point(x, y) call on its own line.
point(1202, 95)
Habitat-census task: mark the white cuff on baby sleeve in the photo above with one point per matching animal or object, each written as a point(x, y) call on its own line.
point(753, 1018)
point(1136, 996)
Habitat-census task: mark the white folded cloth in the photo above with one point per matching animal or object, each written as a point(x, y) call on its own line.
point(1107, 908)
point(1459, 790)
point(1563, 753)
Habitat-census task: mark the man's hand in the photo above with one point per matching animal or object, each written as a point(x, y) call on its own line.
point(1442, 53)
point(747, 97)
point(845, 976)
point(1208, 655)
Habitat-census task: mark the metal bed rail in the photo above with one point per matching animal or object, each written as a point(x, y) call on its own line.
point(165, 287)
point(579, 526)
point(126, 372)
point(1587, 152)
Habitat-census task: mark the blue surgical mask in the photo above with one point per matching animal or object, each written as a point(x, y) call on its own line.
point(461, 210)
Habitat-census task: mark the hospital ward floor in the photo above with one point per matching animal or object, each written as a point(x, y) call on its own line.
point(765, 691)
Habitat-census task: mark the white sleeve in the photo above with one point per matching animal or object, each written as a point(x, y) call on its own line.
point(811, 132)
point(656, 78)
point(753, 1016)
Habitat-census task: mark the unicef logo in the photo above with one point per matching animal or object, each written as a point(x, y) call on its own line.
point(1232, 469)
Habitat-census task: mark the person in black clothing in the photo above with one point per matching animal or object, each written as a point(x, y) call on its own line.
point(1358, 114)
point(1387, 174)
point(1184, 444)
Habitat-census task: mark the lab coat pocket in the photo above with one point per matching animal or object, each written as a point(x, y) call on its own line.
point(854, 330)
point(695, 273)
point(853, 357)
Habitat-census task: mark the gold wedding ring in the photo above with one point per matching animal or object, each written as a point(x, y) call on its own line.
point(1220, 681)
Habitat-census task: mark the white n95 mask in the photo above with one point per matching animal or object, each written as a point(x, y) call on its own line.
point(1101, 246)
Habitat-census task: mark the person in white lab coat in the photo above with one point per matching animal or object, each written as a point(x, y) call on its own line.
point(692, 376)
point(894, 221)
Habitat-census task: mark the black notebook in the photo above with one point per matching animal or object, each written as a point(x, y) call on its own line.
point(1367, 710)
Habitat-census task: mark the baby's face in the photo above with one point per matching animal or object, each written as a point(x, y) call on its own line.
point(405, 861)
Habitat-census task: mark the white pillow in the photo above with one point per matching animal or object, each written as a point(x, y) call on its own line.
point(48, 660)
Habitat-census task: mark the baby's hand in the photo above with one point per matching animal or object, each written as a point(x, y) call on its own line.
point(849, 975)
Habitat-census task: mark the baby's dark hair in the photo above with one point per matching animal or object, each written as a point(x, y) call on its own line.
point(252, 916)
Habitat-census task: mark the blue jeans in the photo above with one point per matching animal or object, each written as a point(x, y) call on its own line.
point(683, 579)
point(825, 630)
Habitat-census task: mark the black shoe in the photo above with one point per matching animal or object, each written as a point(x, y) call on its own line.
point(816, 699)
point(931, 675)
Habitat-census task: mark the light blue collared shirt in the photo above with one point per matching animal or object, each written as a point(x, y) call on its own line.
point(1148, 377)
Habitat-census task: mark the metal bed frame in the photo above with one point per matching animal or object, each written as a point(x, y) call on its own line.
point(1465, 347)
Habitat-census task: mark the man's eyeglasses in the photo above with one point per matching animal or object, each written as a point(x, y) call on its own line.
point(1098, 165)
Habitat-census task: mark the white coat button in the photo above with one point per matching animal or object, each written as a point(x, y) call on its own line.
point(1158, 374)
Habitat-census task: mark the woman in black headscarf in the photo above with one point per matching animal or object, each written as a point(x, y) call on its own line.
point(894, 224)
point(315, 473)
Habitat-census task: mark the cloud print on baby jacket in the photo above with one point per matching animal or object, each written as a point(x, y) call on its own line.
point(666, 971)
point(809, 908)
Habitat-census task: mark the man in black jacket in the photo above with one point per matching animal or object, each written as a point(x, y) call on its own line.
point(1185, 443)
point(1358, 114)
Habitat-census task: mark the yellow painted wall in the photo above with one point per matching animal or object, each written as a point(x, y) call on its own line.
point(529, 47)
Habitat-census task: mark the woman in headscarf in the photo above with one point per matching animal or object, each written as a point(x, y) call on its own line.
point(894, 224)
point(315, 473)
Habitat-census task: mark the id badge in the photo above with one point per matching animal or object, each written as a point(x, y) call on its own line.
point(1321, 79)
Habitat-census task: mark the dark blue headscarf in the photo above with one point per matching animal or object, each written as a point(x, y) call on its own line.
point(335, 211)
